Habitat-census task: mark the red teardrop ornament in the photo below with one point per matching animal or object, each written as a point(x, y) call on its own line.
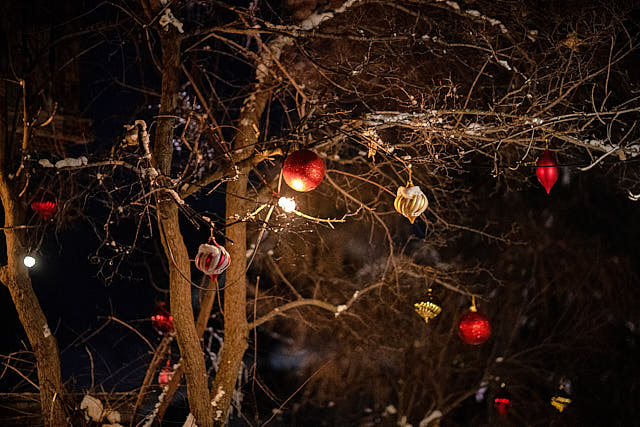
point(44, 208)
point(303, 170)
point(474, 328)
point(547, 170)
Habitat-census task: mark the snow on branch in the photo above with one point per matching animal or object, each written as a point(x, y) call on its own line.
point(169, 19)
point(273, 50)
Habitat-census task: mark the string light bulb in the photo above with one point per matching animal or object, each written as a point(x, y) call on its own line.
point(287, 204)
point(29, 261)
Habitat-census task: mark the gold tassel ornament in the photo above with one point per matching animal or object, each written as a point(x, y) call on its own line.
point(427, 309)
point(560, 402)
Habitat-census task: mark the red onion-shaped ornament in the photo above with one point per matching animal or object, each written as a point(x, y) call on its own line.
point(212, 259)
point(303, 170)
point(502, 404)
point(165, 375)
point(473, 327)
point(162, 320)
point(44, 208)
point(547, 170)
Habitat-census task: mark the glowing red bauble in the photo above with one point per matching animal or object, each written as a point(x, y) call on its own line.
point(165, 374)
point(474, 328)
point(502, 404)
point(547, 170)
point(303, 170)
point(162, 321)
point(44, 208)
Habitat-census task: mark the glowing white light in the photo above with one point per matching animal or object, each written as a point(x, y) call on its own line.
point(297, 184)
point(287, 204)
point(29, 261)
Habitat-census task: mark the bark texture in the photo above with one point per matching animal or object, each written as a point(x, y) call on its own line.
point(235, 300)
point(235, 290)
point(173, 242)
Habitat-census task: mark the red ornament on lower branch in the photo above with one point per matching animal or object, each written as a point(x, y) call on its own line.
point(303, 170)
point(44, 208)
point(162, 320)
point(474, 327)
point(165, 374)
point(502, 405)
point(547, 170)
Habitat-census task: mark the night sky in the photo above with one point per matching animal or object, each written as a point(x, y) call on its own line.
point(560, 282)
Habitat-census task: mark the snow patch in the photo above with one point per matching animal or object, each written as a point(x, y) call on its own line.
point(430, 417)
point(190, 421)
point(218, 397)
point(92, 408)
point(505, 64)
point(70, 162)
point(168, 19)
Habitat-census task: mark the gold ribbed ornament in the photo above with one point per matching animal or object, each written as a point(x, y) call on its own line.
point(560, 402)
point(410, 201)
point(427, 310)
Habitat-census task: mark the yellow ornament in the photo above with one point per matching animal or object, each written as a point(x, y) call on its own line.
point(427, 310)
point(410, 201)
point(560, 402)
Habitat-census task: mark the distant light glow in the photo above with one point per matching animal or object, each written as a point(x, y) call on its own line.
point(287, 204)
point(29, 261)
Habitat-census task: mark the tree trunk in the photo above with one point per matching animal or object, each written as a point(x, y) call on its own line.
point(235, 290)
point(16, 277)
point(235, 302)
point(173, 242)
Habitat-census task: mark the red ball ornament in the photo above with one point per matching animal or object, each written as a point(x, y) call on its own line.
point(165, 374)
point(474, 327)
point(162, 321)
point(303, 170)
point(547, 170)
point(44, 208)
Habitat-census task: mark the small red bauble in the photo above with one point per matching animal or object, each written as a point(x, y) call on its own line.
point(547, 170)
point(44, 208)
point(502, 404)
point(165, 374)
point(474, 328)
point(303, 170)
point(162, 321)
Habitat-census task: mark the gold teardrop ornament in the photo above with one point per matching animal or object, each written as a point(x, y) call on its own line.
point(560, 402)
point(427, 309)
point(410, 201)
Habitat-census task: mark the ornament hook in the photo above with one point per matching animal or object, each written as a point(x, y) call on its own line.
point(473, 304)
